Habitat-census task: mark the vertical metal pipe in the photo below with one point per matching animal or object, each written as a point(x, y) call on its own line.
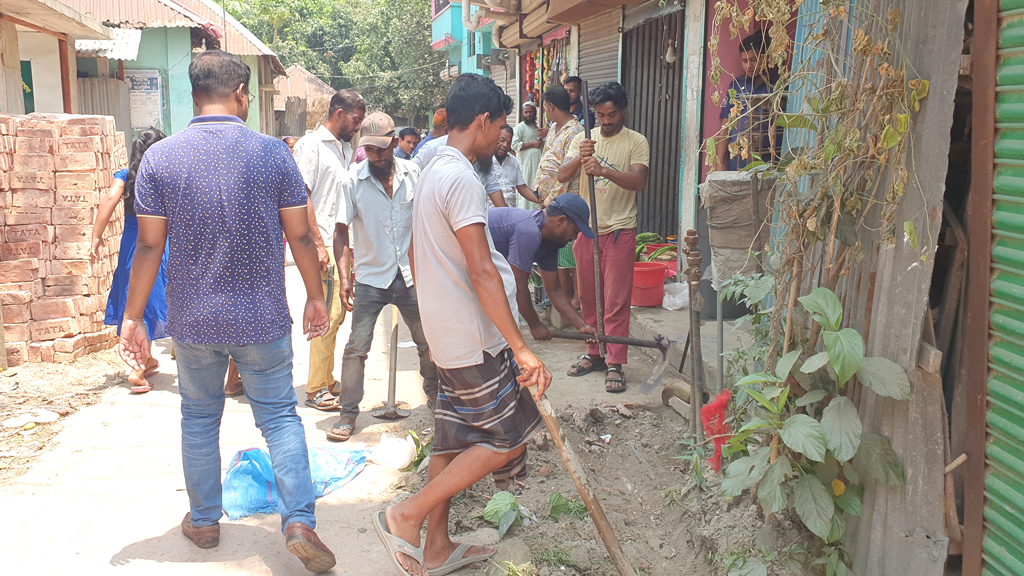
point(599, 294)
point(721, 347)
point(393, 358)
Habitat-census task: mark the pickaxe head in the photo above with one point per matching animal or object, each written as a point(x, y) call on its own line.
point(654, 379)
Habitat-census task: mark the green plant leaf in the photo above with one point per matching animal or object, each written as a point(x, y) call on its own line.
point(851, 500)
point(750, 567)
point(803, 434)
point(771, 490)
point(743, 473)
point(757, 378)
point(781, 402)
point(558, 505)
point(902, 123)
point(762, 400)
point(508, 519)
point(824, 306)
point(827, 470)
point(795, 121)
point(877, 460)
point(838, 527)
point(850, 471)
point(845, 352)
point(842, 427)
point(889, 138)
point(754, 163)
point(885, 377)
point(811, 397)
point(814, 362)
point(498, 505)
point(814, 506)
point(910, 232)
point(785, 365)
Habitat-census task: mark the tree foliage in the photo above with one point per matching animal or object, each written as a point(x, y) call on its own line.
point(379, 48)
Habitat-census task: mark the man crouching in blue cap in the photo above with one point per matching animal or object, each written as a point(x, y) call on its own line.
point(524, 237)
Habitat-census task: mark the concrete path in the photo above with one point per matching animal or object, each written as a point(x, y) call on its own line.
point(108, 498)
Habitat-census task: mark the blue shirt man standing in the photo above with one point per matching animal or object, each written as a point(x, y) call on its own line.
point(756, 81)
point(224, 195)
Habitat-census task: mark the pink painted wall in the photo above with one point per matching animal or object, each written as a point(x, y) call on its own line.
point(728, 52)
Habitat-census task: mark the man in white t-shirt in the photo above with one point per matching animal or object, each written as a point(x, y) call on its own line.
point(513, 184)
point(484, 414)
point(324, 157)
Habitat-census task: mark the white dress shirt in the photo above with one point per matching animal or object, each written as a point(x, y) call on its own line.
point(323, 160)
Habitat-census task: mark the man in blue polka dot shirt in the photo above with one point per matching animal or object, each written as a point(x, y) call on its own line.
point(221, 196)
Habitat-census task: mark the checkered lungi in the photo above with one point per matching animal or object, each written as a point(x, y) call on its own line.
point(484, 405)
point(565, 257)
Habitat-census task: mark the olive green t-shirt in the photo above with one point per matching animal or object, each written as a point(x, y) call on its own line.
point(616, 206)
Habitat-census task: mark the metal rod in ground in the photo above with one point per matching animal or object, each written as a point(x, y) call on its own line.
point(393, 357)
point(660, 343)
point(598, 293)
point(579, 478)
point(697, 387)
point(720, 383)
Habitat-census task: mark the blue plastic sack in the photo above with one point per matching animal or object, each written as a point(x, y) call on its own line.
point(249, 486)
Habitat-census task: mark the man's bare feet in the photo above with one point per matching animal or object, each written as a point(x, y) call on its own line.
point(406, 531)
point(138, 381)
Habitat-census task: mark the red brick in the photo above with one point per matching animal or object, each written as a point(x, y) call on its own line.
point(33, 146)
point(53, 308)
point(81, 198)
point(71, 250)
point(33, 198)
point(83, 131)
point(35, 287)
point(75, 162)
point(33, 163)
point(72, 233)
point(37, 133)
point(72, 357)
point(75, 181)
point(16, 314)
point(37, 180)
point(19, 250)
point(7, 197)
point(25, 270)
point(16, 333)
point(35, 351)
point(17, 353)
point(15, 298)
point(27, 216)
point(53, 329)
point(72, 215)
point(40, 232)
point(74, 267)
point(46, 352)
point(72, 290)
point(68, 345)
point(5, 180)
point(65, 279)
point(74, 144)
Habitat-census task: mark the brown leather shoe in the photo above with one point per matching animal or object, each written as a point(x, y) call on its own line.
point(302, 541)
point(204, 536)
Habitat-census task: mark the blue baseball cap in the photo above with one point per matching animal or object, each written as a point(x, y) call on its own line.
point(574, 207)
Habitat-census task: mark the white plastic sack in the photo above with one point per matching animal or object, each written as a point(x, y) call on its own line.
point(393, 452)
point(677, 296)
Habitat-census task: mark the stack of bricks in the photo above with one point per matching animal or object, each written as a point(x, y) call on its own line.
point(53, 171)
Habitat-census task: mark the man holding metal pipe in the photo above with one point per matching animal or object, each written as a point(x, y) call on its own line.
point(617, 158)
point(375, 200)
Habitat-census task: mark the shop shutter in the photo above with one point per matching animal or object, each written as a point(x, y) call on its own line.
point(599, 48)
point(504, 76)
point(1003, 551)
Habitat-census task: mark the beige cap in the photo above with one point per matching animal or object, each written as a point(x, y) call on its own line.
point(377, 129)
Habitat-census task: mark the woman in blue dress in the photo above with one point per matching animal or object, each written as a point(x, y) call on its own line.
point(122, 189)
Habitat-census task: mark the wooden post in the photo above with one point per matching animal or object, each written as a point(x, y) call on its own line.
point(65, 74)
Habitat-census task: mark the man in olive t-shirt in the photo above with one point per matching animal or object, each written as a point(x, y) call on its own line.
point(618, 158)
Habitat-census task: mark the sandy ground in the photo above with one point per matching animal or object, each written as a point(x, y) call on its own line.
point(101, 490)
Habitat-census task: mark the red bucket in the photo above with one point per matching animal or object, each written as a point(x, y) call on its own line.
point(649, 283)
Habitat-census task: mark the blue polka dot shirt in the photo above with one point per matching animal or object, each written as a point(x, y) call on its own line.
point(220, 186)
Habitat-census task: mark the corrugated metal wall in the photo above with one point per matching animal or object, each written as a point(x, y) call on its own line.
point(107, 97)
point(599, 48)
point(1003, 549)
point(655, 89)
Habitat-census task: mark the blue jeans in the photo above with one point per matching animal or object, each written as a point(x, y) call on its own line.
point(266, 370)
point(366, 307)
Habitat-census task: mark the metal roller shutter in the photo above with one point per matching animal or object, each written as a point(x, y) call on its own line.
point(507, 82)
point(599, 48)
point(1003, 549)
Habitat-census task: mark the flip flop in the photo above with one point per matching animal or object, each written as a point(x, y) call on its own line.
point(141, 389)
point(151, 370)
point(395, 545)
point(342, 430)
point(457, 561)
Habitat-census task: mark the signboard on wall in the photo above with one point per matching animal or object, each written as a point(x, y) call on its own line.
point(145, 96)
